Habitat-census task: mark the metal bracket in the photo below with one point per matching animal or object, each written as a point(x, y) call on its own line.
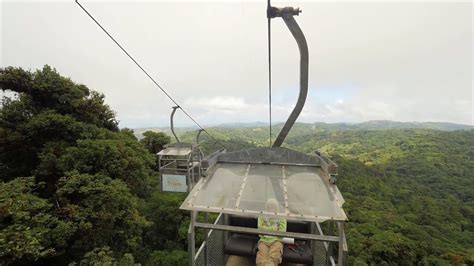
point(273, 12)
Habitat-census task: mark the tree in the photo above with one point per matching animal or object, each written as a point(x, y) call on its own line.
point(105, 257)
point(104, 212)
point(86, 175)
point(162, 209)
point(47, 89)
point(155, 141)
point(48, 108)
point(166, 257)
point(29, 229)
point(122, 158)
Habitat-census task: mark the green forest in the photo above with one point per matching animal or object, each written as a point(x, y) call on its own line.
point(76, 189)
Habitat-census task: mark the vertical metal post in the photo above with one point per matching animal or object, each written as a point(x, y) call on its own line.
point(341, 258)
point(190, 164)
point(190, 171)
point(313, 243)
point(188, 175)
point(192, 239)
point(330, 252)
point(190, 243)
point(160, 173)
point(159, 163)
point(226, 222)
point(206, 234)
point(199, 161)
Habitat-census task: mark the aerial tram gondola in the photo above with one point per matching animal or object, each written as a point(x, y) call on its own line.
point(236, 186)
point(179, 163)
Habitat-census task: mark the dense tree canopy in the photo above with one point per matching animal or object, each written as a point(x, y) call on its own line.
point(409, 192)
point(47, 90)
point(72, 182)
point(29, 230)
point(155, 141)
point(75, 189)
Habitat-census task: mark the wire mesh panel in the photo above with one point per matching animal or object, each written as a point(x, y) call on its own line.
point(216, 254)
point(199, 259)
point(319, 248)
point(215, 247)
point(319, 253)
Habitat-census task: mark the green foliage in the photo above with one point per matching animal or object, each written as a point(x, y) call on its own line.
point(48, 108)
point(104, 211)
point(408, 193)
point(390, 247)
point(155, 141)
point(46, 89)
point(87, 181)
point(105, 257)
point(98, 256)
point(163, 210)
point(29, 230)
point(165, 258)
point(123, 159)
point(128, 132)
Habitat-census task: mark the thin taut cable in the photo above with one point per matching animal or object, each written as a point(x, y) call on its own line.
point(146, 73)
point(269, 72)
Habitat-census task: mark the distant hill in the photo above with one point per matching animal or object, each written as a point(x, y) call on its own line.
point(178, 130)
point(237, 125)
point(305, 128)
point(387, 124)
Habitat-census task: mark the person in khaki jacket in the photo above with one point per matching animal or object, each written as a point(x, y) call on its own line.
point(270, 248)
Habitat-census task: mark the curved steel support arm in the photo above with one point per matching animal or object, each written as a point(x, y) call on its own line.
point(172, 124)
point(198, 135)
point(304, 60)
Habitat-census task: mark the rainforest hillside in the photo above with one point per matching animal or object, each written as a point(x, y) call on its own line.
point(75, 189)
point(409, 192)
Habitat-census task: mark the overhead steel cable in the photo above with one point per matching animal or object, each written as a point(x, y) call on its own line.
point(269, 70)
point(146, 73)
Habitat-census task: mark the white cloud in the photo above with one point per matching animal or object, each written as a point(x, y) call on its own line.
point(368, 60)
point(225, 104)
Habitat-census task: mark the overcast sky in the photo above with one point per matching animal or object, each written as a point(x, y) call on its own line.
point(399, 61)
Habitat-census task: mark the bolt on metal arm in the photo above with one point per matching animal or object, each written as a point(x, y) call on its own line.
point(287, 14)
point(172, 124)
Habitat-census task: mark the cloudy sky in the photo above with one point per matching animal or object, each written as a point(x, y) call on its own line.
point(368, 60)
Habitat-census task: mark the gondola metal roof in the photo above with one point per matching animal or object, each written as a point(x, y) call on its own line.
point(240, 186)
